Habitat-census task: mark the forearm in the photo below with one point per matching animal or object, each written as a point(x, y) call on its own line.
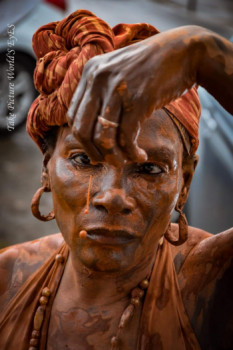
point(142, 77)
point(187, 55)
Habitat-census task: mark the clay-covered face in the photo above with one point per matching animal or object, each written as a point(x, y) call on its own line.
point(130, 206)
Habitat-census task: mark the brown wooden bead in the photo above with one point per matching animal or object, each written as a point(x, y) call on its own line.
point(144, 284)
point(137, 293)
point(46, 292)
point(35, 334)
point(34, 342)
point(114, 340)
point(135, 301)
point(39, 317)
point(59, 258)
point(140, 293)
point(43, 300)
point(126, 316)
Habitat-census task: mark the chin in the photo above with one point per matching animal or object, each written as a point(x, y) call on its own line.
point(107, 258)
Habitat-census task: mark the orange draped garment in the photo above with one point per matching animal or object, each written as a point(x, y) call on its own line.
point(164, 323)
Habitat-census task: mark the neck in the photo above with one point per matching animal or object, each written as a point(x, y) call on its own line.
point(103, 288)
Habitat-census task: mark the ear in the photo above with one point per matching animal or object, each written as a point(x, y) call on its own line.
point(189, 166)
point(45, 181)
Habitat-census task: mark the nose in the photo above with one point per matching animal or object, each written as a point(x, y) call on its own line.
point(114, 201)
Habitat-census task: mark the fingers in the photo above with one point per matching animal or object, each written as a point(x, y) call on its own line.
point(111, 134)
point(106, 130)
point(117, 129)
point(130, 125)
point(84, 124)
point(85, 82)
point(128, 133)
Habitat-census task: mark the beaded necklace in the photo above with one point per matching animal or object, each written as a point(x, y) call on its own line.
point(135, 298)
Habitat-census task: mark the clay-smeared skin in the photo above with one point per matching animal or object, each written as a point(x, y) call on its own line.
point(90, 327)
point(95, 287)
point(206, 283)
point(112, 270)
point(97, 280)
point(126, 85)
point(121, 197)
point(17, 263)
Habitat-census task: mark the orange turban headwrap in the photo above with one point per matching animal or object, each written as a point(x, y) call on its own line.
point(62, 49)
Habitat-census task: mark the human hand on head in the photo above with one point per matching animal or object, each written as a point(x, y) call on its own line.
point(109, 105)
point(118, 90)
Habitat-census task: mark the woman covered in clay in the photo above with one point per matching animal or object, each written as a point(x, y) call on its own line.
point(117, 162)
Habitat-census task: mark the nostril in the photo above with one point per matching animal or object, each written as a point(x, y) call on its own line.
point(114, 201)
point(101, 208)
point(126, 211)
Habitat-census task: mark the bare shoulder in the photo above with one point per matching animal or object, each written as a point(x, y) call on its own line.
point(203, 258)
point(206, 284)
point(19, 261)
point(206, 249)
point(182, 252)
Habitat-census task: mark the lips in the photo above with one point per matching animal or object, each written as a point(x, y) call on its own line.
point(110, 236)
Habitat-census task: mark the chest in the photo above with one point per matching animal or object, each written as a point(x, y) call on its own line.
point(77, 328)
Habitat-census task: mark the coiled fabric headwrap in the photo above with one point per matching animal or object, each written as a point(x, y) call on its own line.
point(62, 49)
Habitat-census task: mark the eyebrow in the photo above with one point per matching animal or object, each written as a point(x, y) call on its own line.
point(161, 153)
point(71, 141)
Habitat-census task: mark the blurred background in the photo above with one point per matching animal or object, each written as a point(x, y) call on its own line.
point(210, 205)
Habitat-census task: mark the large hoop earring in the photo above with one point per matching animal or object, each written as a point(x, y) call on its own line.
point(183, 229)
point(35, 206)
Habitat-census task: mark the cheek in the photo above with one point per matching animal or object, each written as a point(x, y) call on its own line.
point(169, 193)
point(157, 198)
point(67, 186)
point(69, 192)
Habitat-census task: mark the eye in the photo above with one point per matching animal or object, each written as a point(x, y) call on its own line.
point(81, 159)
point(150, 168)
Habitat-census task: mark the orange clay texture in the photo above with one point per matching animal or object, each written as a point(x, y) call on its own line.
point(88, 196)
point(83, 234)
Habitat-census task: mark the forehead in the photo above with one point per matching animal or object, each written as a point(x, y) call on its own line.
point(158, 132)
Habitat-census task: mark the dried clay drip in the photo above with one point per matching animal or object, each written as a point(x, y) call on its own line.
point(83, 234)
point(136, 296)
point(88, 196)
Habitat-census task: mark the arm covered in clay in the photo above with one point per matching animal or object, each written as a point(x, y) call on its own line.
point(206, 285)
point(124, 87)
point(20, 261)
